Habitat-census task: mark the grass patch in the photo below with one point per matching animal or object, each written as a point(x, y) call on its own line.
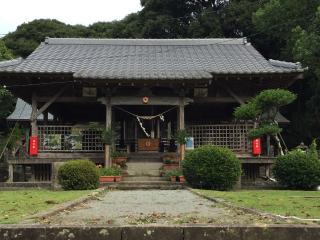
point(16, 205)
point(303, 204)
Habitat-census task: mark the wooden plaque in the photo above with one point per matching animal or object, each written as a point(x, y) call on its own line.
point(148, 144)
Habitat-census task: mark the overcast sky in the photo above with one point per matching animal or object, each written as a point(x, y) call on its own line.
point(85, 12)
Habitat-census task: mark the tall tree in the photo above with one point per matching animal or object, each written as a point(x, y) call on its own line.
point(29, 35)
point(7, 100)
point(291, 32)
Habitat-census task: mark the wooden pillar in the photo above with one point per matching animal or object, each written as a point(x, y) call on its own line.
point(135, 136)
point(108, 125)
point(181, 124)
point(158, 129)
point(268, 170)
point(34, 127)
point(238, 184)
point(45, 117)
point(10, 171)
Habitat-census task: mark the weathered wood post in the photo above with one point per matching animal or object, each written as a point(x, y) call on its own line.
point(181, 124)
point(107, 147)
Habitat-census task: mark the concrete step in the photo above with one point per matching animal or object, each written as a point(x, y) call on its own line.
point(145, 185)
point(145, 157)
point(143, 179)
point(144, 168)
point(157, 160)
point(150, 187)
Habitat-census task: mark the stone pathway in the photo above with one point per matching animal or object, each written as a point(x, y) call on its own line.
point(152, 207)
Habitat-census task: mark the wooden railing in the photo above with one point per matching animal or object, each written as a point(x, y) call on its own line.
point(232, 136)
point(61, 138)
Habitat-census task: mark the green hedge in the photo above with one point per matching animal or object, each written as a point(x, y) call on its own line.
point(78, 175)
point(212, 167)
point(298, 170)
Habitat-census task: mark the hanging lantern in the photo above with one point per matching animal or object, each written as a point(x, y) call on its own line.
point(256, 146)
point(33, 146)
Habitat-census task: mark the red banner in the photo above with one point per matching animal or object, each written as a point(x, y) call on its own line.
point(256, 146)
point(33, 146)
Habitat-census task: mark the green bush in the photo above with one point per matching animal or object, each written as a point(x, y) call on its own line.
point(298, 170)
point(117, 154)
point(112, 171)
point(78, 175)
point(173, 173)
point(212, 167)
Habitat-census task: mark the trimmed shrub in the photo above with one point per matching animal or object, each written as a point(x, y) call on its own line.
point(212, 167)
point(298, 170)
point(78, 175)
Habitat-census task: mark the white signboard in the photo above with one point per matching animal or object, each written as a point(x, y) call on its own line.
point(190, 143)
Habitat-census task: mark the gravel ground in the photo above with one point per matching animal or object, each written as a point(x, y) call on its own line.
point(152, 207)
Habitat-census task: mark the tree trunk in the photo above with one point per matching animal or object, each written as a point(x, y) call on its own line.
point(279, 144)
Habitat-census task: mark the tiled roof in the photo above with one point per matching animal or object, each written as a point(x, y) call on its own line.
point(148, 59)
point(22, 112)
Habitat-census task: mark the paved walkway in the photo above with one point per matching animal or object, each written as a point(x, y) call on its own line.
point(152, 207)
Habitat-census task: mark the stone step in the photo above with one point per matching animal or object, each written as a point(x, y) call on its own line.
point(143, 179)
point(144, 168)
point(144, 158)
point(137, 160)
point(150, 187)
point(145, 185)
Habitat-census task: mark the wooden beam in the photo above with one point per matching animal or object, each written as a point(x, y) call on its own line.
point(218, 99)
point(158, 101)
point(47, 104)
point(69, 99)
point(232, 94)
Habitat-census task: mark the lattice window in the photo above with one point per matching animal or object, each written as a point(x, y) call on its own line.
point(232, 136)
point(69, 139)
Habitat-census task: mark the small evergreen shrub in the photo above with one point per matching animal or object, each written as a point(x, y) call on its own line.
point(173, 173)
point(298, 170)
point(78, 175)
point(212, 167)
point(111, 171)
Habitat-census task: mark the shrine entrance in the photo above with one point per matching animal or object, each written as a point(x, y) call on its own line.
point(145, 128)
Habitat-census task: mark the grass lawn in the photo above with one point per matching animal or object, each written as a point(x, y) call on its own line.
point(303, 204)
point(16, 205)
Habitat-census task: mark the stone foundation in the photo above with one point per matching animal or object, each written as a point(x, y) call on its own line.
point(279, 232)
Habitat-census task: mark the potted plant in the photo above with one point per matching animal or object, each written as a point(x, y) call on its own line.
point(117, 172)
point(119, 158)
point(173, 174)
point(182, 179)
point(112, 174)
